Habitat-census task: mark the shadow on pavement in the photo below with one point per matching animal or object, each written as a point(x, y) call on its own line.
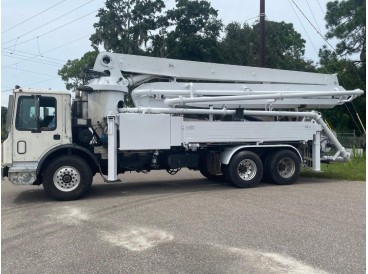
point(101, 190)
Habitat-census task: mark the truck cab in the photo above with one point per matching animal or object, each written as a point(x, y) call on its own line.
point(38, 121)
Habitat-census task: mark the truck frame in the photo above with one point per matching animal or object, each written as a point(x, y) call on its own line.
point(137, 113)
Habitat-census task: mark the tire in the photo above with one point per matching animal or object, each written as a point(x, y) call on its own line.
point(266, 170)
point(204, 170)
point(67, 178)
point(245, 170)
point(283, 167)
point(210, 176)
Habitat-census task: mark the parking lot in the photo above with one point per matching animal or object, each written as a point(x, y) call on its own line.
point(158, 223)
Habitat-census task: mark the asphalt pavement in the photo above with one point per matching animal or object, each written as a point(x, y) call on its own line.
point(158, 223)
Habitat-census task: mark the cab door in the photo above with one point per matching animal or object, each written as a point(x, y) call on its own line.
point(36, 126)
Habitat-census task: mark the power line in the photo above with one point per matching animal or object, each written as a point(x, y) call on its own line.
point(323, 12)
point(315, 20)
point(50, 50)
point(33, 17)
point(310, 40)
point(28, 60)
point(34, 55)
point(351, 115)
point(43, 81)
point(354, 69)
point(31, 84)
point(338, 55)
point(251, 18)
point(67, 44)
point(29, 71)
point(312, 25)
point(27, 55)
point(22, 57)
point(79, 18)
point(47, 23)
point(32, 58)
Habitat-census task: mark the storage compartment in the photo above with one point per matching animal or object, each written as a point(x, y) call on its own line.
point(149, 131)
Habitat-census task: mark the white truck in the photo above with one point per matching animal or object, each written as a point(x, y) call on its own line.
point(239, 123)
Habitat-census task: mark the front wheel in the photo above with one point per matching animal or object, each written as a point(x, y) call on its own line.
point(67, 178)
point(244, 170)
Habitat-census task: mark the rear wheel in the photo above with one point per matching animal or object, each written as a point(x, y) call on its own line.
point(244, 170)
point(283, 167)
point(67, 178)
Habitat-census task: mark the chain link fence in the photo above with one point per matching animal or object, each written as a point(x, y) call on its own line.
point(350, 140)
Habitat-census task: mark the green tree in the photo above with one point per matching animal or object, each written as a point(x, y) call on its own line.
point(346, 21)
point(73, 72)
point(125, 26)
point(350, 77)
point(285, 47)
point(239, 45)
point(190, 32)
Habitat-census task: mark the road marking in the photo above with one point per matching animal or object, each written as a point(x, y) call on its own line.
point(137, 239)
point(69, 215)
point(266, 262)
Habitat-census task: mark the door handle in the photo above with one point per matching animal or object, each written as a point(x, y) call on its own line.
point(56, 136)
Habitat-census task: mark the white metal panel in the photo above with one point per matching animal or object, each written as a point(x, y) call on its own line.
point(176, 137)
point(112, 149)
point(205, 71)
point(7, 149)
point(226, 155)
point(144, 131)
point(229, 132)
point(37, 144)
point(101, 103)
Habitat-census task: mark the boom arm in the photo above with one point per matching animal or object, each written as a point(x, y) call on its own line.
point(201, 71)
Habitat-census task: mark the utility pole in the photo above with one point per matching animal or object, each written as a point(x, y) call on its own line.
point(262, 40)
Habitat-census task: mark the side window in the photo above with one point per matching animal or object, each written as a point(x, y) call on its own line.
point(47, 113)
point(36, 113)
point(26, 113)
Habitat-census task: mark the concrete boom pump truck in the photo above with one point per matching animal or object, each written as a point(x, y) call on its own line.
point(240, 123)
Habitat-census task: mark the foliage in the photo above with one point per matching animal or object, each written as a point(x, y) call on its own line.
point(4, 114)
point(284, 46)
point(351, 76)
point(290, 46)
point(354, 170)
point(125, 25)
point(346, 21)
point(73, 72)
point(239, 45)
point(191, 32)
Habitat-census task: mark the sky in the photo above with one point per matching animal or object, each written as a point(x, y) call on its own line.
point(39, 37)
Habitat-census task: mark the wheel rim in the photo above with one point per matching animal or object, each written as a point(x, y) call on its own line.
point(247, 169)
point(286, 167)
point(66, 178)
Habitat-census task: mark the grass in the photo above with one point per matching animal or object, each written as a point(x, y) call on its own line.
point(355, 170)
